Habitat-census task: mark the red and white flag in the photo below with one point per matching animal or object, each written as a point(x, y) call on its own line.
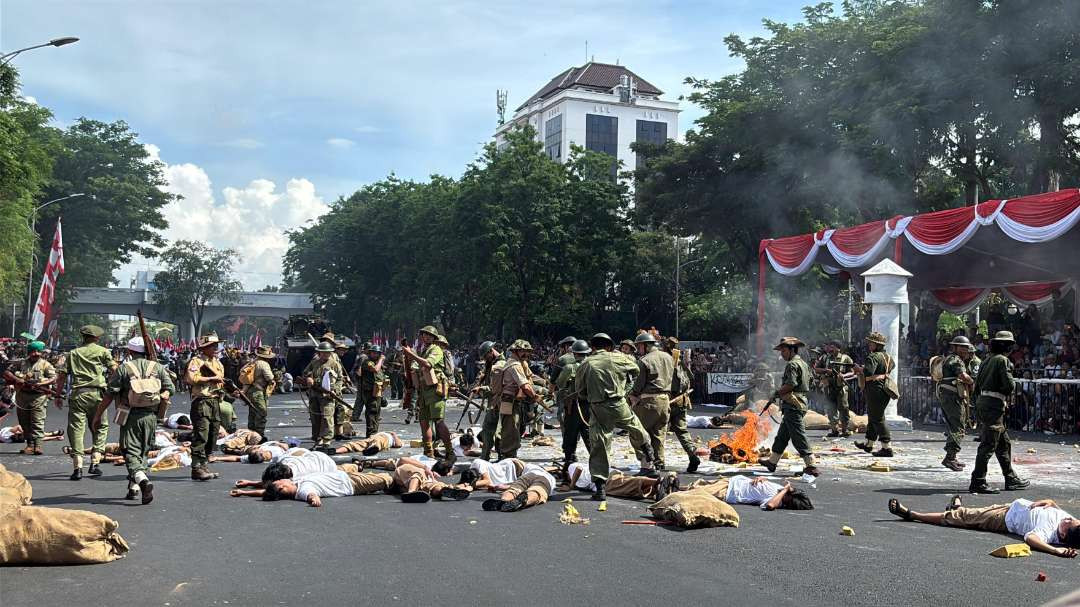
point(47, 294)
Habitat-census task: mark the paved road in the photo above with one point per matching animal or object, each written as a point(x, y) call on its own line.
point(196, 546)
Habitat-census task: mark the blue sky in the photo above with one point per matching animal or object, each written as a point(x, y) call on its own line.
point(276, 107)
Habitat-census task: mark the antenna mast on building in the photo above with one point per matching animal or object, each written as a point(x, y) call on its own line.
point(500, 105)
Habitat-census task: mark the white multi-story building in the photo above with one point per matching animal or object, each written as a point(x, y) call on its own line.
point(600, 107)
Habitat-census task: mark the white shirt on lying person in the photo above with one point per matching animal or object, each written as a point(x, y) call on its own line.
point(391, 439)
point(173, 421)
point(163, 439)
point(323, 484)
point(500, 473)
point(584, 480)
point(185, 459)
point(6, 434)
point(311, 462)
point(742, 490)
point(698, 421)
point(276, 453)
point(1022, 519)
point(535, 469)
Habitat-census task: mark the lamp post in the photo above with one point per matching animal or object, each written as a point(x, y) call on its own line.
point(33, 254)
point(7, 57)
point(678, 277)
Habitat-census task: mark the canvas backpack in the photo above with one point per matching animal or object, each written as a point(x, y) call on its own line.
point(247, 374)
point(144, 389)
point(937, 368)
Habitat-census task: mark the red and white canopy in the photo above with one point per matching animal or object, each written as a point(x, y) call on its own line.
point(1026, 247)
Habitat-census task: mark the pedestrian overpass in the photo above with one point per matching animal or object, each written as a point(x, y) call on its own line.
point(126, 302)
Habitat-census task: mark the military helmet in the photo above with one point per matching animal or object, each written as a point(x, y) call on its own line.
point(1003, 336)
point(92, 331)
point(960, 340)
point(430, 330)
point(602, 338)
point(521, 344)
point(374, 348)
point(567, 341)
point(580, 346)
point(486, 347)
point(324, 346)
point(645, 338)
point(876, 338)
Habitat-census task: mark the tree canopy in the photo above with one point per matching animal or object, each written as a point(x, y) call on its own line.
point(195, 275)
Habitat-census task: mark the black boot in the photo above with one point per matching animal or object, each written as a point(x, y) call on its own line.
point(982, 487)
point(951, 463)
point(1016, 484)
point(76, 474)
point(695, 461)
point(515, 504)
point(95, 470)
point(868, 447)
point(883, 452)
point(147, 489)
point(599, 495)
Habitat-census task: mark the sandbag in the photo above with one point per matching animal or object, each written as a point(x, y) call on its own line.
point(13, 480)
point(34, 535)
point(10, 497)
point(695, 509)
point(815, 421)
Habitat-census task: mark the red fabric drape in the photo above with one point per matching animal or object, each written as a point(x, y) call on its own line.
point(958, 298)
point(940, 227)
point(1042, 209)
point(1034, 292)
point(791, 251)
point(857, 240)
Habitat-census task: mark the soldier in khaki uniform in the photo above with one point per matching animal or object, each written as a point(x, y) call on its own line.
point(494, 362)
point(206, 378)
point(88, 366)
point(515, 395)
point(875, 373)
point(343, 412)
point(431, 389)
point(372, 380)
point(651, 394)
point(138, 419)
point(792, 395)
point(993, 390)
point(953, 393)
point(834, 369)
point(32, 405)
point(575, 422)
point(258, 392)
point(681, 381)
point(603, 380)
point(323, 377)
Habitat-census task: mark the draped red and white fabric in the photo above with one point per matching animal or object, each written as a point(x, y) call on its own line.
point(1030, 219)
point(47, 293)
point(964, 300)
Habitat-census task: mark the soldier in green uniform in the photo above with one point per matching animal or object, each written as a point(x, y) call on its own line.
point(432, 388)
point(973, 365)
point(323, 377)
point(343, 413)
point(575, 422)
point(397, 375)
point(258, 391)
point(874, 373)
point(32, 404)
point(792, 394)
point(494, 362)
point(205, 378)
point(681, 382)
point(834, 369)
point(627, 347)
point(516, 393)
point(139, 386)
point(953, 391)
point(87, 366)
point(993, 389)
point(369, 396)
point(651, 393)
point(603, 380)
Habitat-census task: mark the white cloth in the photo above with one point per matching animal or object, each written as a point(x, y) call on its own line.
point(584, 480)
point(173, 421)
point(324, 484)
point(548, 479)
point(1022, 519)
point(185, 459)
point(163, 439)
point(6, 434)
point(499, 473)
point(312, 462)
point(742, 491)
point(427, 462)
point(698, 421)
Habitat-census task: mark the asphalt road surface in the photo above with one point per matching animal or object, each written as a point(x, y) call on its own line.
point(194, 545)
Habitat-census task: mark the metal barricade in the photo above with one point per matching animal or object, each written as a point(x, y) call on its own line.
point(1051, 406)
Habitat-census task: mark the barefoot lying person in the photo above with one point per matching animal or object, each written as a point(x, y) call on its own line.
point(1041, 523)
point(14, 434)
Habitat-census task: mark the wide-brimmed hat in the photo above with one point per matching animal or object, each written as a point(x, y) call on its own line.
point(208, 340)
point(329, 336)
point(960, 340)
point(340, 345)
point(790, 342)
point(324, 347)
point(520, 344)
point(1003, 336)
point(876, 338)
point(430, 330)
point(265, 352)
point(92, 331)
point(441, 340)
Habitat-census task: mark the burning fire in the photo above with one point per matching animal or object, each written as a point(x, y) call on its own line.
point(742, 445)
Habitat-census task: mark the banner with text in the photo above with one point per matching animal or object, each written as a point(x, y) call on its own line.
point(727, 382)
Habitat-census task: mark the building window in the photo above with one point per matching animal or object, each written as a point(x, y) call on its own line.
point(553, 138)
point(602, 135)
point(648, 131)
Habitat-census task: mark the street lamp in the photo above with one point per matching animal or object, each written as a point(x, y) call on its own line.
point(7, 57)
point(678, 276)
point(33, 256)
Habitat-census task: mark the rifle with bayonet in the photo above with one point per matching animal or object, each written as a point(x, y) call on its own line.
point(21, 385)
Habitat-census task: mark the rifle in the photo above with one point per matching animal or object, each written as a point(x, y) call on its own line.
point(22, 386)
point(317, 387)
point(151, 354)
point(679, 400)
point(231, 386)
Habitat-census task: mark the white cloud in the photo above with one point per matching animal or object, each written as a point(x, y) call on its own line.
point(340, 142)
point(251, 220)
point(243, 143)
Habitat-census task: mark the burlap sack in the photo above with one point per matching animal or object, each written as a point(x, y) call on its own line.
point(33, 535)
point(10, 497)
point(695, 509)
point(815, 421)
point(18, 482)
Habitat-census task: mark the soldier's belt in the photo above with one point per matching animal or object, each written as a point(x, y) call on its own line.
point(84, 389)
point(949, 387)
point(998, 395)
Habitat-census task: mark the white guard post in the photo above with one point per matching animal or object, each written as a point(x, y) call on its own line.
point(886, 290)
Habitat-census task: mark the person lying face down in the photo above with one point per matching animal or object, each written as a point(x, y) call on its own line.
point(380, 441)
point(1041, 523)
point(346, 481)
point(521, 485)
point(295, 464)
point(417, 479)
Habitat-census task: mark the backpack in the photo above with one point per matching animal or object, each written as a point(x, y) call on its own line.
point(937, 368)
point(247, 374)
point(143, 390)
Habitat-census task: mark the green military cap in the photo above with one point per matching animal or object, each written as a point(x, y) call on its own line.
point(35, 346)
point(876, 338)
point(324, 346)
point(960, 340)
point(1003, 336)
point(521, 344)
point(92, 331)
point(430, 330)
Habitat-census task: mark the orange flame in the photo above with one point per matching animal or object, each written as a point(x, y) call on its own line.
point(744, 441)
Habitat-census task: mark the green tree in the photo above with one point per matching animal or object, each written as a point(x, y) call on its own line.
point(195, 275)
